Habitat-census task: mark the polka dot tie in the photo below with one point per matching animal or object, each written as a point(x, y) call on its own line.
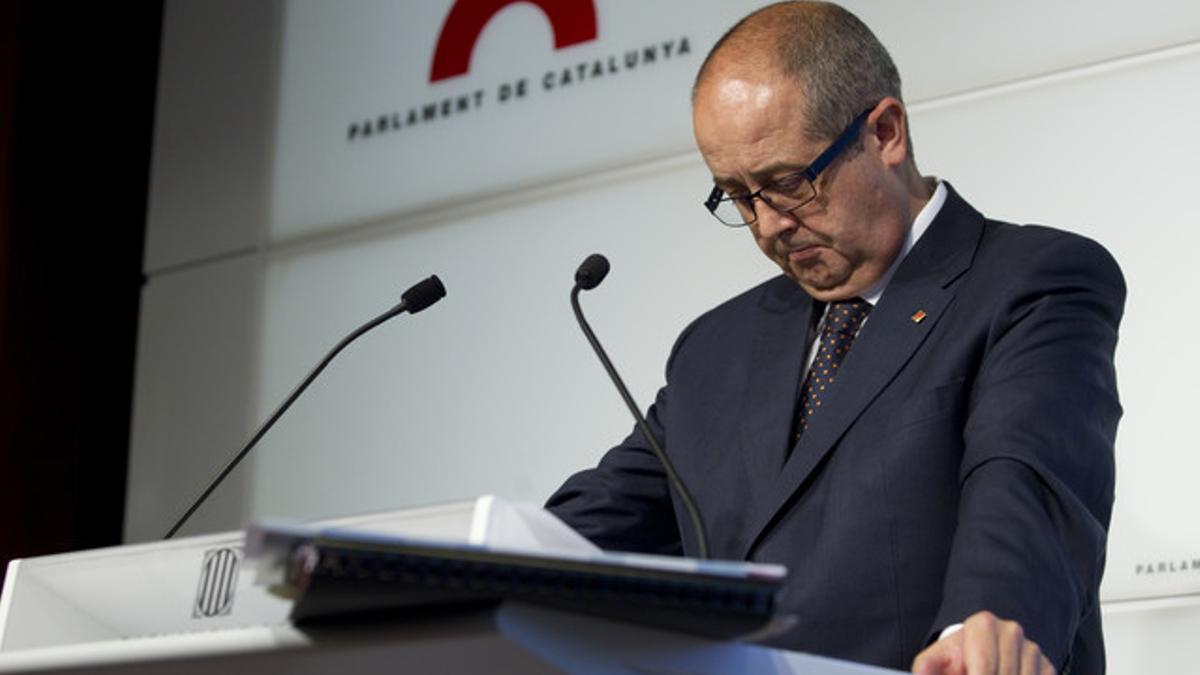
point(841, 325)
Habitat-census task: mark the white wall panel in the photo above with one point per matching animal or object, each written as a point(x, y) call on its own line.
point(330, 90)
point(594, 122)
point(220, 172)
point(1153, 636)
point(214, 130)
point(947, 46)
point(195, 388)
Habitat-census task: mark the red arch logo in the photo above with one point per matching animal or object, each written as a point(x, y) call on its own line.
point(573, 22)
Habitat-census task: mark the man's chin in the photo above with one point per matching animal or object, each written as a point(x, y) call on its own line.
point(821, 287)
point(817, 279)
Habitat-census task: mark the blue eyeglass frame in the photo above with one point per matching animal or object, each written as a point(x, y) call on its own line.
point(810, 173)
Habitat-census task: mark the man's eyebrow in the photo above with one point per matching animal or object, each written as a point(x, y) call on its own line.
point(766, 174)
point(727, 184)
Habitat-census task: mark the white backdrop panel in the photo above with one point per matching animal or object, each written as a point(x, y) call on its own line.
point(210, 181)
point(1152, 636)
point(343, 70)
point(195, 394)
point(947, 46)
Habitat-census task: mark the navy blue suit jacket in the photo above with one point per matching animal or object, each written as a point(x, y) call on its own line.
point(961, 462)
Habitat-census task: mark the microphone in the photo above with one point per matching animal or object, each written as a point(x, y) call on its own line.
point(589, 275)
point(591, 271)
point(420, 296)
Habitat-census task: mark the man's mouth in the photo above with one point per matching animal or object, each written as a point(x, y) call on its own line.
point(804, 254)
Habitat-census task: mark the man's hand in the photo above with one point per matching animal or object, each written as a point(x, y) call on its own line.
point(986, 644)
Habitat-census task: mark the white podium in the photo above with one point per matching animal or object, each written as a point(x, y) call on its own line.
point(193, 606)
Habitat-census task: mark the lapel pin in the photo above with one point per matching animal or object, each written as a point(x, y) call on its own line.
point(919, 316)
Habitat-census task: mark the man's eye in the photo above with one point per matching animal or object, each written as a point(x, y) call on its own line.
point(789, 184)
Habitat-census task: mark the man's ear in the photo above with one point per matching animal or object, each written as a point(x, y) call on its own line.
point(888, 125)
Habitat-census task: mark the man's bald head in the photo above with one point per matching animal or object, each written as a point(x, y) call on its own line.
point(838, 63)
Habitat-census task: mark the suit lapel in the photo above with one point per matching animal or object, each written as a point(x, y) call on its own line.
point(775, 362)
point(883, 347)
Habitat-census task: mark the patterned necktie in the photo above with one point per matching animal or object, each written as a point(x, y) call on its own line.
point(841, 325)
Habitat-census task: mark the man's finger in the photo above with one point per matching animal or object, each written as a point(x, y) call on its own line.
point(1032, 659)
point(981, 644)
point(943, 657)
point(1010, 646)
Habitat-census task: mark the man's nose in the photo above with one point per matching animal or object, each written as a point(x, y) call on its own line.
point(771, 221)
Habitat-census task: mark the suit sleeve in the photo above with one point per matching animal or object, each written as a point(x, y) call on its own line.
point(625, 503)
point(1036, 480)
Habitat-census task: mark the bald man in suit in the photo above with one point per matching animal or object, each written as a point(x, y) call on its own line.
point(938, 476)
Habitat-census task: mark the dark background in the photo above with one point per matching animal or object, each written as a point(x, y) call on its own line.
point(77, 84)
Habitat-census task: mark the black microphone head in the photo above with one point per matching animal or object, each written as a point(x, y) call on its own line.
point(423, 294)
point(591, 272)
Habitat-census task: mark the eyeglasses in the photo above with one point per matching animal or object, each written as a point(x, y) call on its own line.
point(787, 193)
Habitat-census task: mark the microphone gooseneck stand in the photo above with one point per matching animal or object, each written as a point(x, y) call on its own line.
point(418, 297)
point(589, 275)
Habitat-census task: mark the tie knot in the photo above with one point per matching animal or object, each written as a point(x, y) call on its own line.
point(845, 316)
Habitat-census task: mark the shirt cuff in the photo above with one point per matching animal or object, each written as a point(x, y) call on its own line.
point(950, 630)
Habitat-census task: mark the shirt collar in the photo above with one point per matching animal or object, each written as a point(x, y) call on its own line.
point(920, 224)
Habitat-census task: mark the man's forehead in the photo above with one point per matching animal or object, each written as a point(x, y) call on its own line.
point(732, 107)
point(734, 88)
point(742, 92)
